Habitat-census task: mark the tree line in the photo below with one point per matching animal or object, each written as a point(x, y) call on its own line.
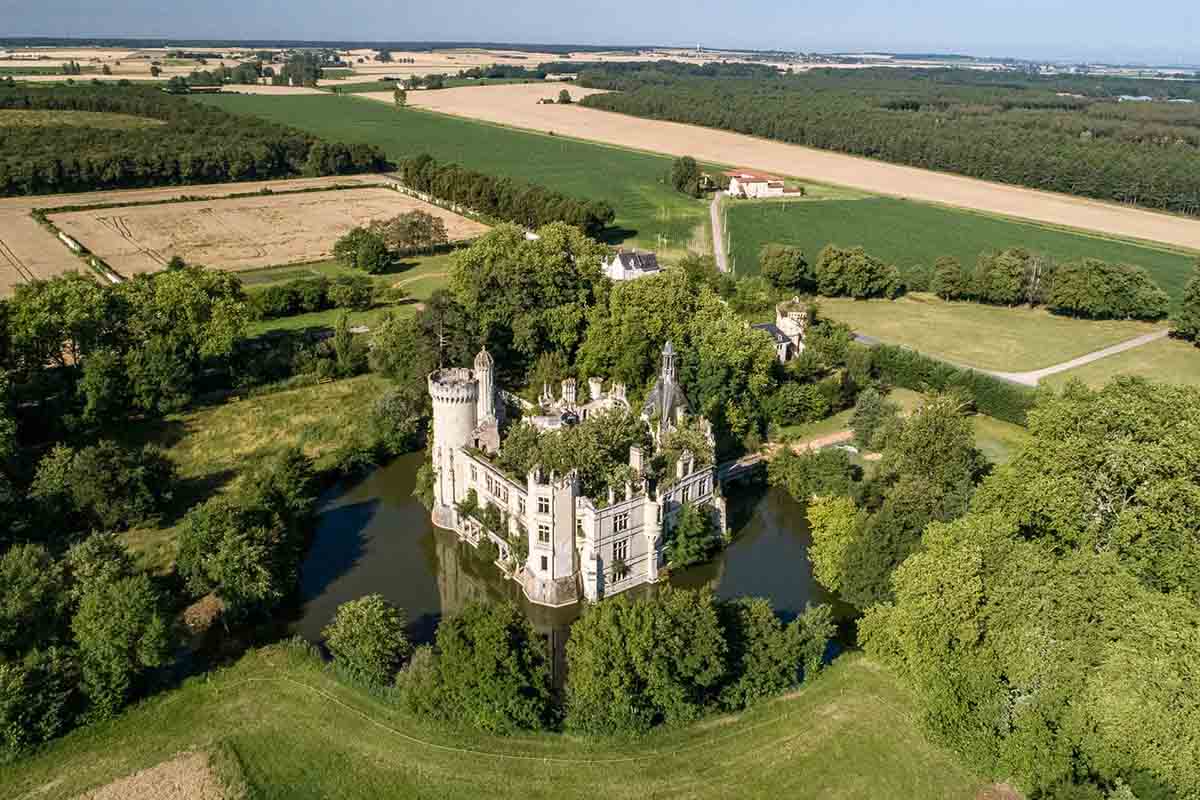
point(195, 144)
point(1088, 287)
point(631, 664)
point(1018, 131)
point(505, 199)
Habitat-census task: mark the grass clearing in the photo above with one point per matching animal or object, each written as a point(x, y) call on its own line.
point(910, 233)
point(977, 335)
point(211, 447)
point(650, 213)
point(419, 276)
point(294, 731)
point(1164, 360)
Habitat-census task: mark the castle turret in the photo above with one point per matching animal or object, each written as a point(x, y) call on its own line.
point(668, 363)
point(485, 375)
point(455, 398)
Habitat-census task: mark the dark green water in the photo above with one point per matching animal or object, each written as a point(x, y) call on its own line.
point(374, 537)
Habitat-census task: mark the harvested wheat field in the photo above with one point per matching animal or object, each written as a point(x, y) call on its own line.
point(28, 251)
point(241, 233)
point(516, 104)
point(185, 777)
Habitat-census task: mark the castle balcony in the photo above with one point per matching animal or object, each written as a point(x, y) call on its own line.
point(555, 592)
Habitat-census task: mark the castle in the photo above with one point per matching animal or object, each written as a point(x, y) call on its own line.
point(560, 545)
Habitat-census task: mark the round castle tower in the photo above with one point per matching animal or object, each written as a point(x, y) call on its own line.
point(455, 395)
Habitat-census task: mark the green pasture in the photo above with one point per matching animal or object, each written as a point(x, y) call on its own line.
point(650, 213)
point(908, 233)
point(277, 724)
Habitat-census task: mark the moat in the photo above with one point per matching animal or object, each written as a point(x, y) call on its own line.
point(374, 537)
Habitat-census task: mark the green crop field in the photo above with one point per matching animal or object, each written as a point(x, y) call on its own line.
point(633, 183)
point(278, 725)
point(909, 233)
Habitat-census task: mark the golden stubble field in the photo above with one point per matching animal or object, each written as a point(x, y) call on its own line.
point(241, 233)
point(517, 105)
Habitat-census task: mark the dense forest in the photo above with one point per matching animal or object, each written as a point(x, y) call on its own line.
point(1066, 134)
point(194, 144)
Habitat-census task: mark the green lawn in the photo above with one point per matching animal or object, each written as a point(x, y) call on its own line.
point(420, 276)
point(1165, 361)
point(909, 233)
point(280, 726)
point(977, 335)
point(210, 447)
point(633, 183)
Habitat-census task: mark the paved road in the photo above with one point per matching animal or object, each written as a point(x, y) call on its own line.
point(1032, 377)
point(714, 211)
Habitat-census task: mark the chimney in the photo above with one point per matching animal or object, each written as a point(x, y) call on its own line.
point(628, 490)
point(595, 388)
point(612, 496)
point(568, 391)
point(635, 458)
point(682, 463)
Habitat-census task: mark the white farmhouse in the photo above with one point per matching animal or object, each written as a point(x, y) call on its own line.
point(754, 185)
point(625, 265)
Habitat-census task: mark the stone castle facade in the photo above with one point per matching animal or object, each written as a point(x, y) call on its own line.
point(578, 547)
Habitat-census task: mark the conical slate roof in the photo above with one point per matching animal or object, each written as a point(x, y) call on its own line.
point(484, 360)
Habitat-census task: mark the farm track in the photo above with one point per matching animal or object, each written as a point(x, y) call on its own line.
point(121, 226)
point(516, 105)
point(15, 262)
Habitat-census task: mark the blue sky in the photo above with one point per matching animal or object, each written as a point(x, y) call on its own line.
point(1155, 31)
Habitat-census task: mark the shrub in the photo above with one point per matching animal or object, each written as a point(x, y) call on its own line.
point(36, 699)
point(798, 402)
point(871, 413)
point(949, 282)
point(993, 396)
point(692, 538)
point(351, 291)
point(765, 656)
point(367, 639)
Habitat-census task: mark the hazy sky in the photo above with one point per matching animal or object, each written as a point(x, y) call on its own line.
point(1155, 30)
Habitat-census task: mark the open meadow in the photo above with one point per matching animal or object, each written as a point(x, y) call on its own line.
point(909, 234)
point(650, 213)
point(277, 724)
point(517, 106)
point(1164, 361)
point(242, 233)
point(978, 335)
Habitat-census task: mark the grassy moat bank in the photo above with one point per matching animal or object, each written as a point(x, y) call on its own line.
point(279, 724)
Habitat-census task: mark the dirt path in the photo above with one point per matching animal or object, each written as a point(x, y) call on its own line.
point(714, 211)
point(517, 105)
point(1032, 377)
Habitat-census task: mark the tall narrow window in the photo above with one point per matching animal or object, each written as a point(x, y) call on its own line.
point(621, 522)
point(621, 550)
point(545, 564)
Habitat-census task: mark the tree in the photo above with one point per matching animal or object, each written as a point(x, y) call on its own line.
point(355, 292)
point(367, 639)
point(97, 560)
point(1099, 290)
point(371, 255)
point(121, 632)
point(786, 268)
point(400, 97)
point(872, 415)
point(37, 696)
point(564, 98)
point(1186, 323)
point(686, 177)
point(691, 538)
point(813, 472)
point(842, 272)
point(949, 282)
point(399, 419)
point(637, 663)
point(764, 655)
point(412, 232)
point(488, 671)
point(33, 600)
point(350, 354)
point(835, 523)
point(155, 71)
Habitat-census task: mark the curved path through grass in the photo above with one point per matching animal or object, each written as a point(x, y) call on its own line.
point(279, 724)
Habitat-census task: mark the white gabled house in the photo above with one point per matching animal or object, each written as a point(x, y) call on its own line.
point(625, 265)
